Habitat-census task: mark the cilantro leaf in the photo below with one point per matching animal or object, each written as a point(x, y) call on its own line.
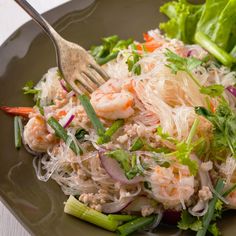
point(183, 148)
point(29, 88)
point(189, 222)
point(183, 155)
point(127, 162)
point(213, 229)
point(178, 63)
point(213, 90)
point(224, 126)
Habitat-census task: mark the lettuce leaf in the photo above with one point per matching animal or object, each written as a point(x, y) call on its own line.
point(183, 20)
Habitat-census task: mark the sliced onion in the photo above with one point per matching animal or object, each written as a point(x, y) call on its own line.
point(113, 168)
point(69, 121)
point(232, 90)
point(63, 85)
point(116, 206)
point(203, 211)
point(139, 202)
point(66, 120)
point(157, 220)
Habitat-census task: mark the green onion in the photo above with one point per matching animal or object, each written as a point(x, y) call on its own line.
point(97, 124)
point(208, 216)
point(220, 54)
point(137, 145)
point(117, 217)
point(83, 212)
point(18, 131)
point(61, 133)
point(106, 137)
point(135, 225)
point(192, 131)
point(227, 192)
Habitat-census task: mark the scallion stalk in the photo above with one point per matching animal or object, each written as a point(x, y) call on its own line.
point(61, 133)
point(18, 131)
point(106, 137)
point(97, 124)
point(219, 53)
point(121, 218)
point(135, 225)
point(83, 212)
point(206, 220)
point(137, 145)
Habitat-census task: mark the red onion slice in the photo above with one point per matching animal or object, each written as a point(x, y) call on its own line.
point(69, 121)
point(232, 90)
point(63, 85)
point(113, 168)
point(139, 202)
point(116, 206)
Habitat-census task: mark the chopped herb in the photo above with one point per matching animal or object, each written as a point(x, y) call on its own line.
point(224, 126)
point(106, 137)
point(189, 222)
point(61, 133)
point(183, 148)
point(127, 163)
point(137, 144)
point(186, 64)
point(29, 88)
point(213, 90)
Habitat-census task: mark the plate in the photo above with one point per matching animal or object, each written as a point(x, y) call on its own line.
point(27, 55)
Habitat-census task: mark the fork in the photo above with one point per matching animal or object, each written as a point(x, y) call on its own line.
point(77, 66)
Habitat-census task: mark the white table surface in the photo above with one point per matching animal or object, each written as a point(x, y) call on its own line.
point(9, 226)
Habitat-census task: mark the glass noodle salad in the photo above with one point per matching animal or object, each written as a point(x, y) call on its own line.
point(155, 143)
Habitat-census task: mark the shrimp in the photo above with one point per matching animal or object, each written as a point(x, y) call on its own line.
point(172, 186)
point(112, 101)
point(37, 136)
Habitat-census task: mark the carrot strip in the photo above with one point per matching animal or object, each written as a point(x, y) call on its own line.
point(21, 111)
point(147, 37)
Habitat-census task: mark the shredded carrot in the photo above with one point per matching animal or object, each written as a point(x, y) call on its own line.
point(213, 107)
point(147, 37)
point(21, 111)
point(149, 46)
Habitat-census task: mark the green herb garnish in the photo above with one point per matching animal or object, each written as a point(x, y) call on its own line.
point(224, 126)
point(29, 88)
point(61, 133)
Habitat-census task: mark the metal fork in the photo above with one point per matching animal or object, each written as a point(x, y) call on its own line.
point(77, 66)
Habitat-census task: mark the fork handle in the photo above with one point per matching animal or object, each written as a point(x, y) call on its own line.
point(54, 36)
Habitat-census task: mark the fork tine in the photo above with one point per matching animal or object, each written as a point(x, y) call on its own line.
point(84, 84)
point(76, 89)
point(93, 78)
point(88, 82)
point(100, 71)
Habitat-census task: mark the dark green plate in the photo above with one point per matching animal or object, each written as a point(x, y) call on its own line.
point(27, 55)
